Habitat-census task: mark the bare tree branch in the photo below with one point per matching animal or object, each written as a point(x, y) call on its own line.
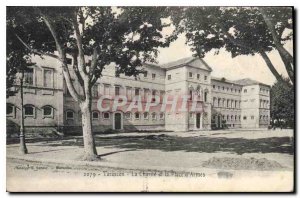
point(82, 64)
point(286, 57)
point(34, 51)
point(275, 37)
point(94, 62)
point(271, 66)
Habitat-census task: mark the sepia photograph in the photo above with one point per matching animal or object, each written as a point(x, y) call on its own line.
point(150, 99)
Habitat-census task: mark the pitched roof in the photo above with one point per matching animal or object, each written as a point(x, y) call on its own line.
point(183, 62)
point(178, 62)
point(248, 81)
point(225, 80)
point(152, 64)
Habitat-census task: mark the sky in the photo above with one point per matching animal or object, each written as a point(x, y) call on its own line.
point(224, 65)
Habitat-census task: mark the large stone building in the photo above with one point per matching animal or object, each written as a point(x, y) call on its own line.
point(220, 103)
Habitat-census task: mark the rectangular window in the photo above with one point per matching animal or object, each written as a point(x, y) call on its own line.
point(198, 76)
point(10, 110)
point(153, 95)
point(106, 89)
point(95, 91)
point(153, 76)
point(245, 118)
point(146, 115)
point(146, 94)
point(70, 115)
point(48, 111)
point(128, 93)
point(153, 116)
point(29, 111)
point(137, 91)
point(95, 115)
point(106, 115)
point(245, 90)
point(153, 92)
point(205, 77)
point(190, 75)
point(252, 117)
point(161, 116)
point(48, 78)
point(28, 76)
point(117, 91)
point(145, 74)
point(214, 86)
point(128, 115)
point(169, 77)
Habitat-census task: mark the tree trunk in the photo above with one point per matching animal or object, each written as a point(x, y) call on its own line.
point(271, 66)
point(90, 152)
point(286, 57)
point(23, 148)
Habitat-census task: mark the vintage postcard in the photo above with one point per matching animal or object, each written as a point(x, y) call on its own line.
point(150, 99)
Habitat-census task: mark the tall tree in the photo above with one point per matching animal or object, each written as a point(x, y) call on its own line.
point(17, 60)
point(282, 102)
point(240, 30)
point(124, 36)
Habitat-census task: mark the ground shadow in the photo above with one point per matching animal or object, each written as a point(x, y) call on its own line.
point(47, 151)
point(110, 153)
point(192, 144)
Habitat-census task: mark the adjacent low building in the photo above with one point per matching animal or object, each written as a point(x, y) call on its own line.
point(220, 103)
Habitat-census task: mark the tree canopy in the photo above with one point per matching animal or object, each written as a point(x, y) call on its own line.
point(17, 58)
point(95, 37)
point(240, 31)
point(282, 102)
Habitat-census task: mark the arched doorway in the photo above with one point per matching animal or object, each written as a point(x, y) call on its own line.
point(118, 121)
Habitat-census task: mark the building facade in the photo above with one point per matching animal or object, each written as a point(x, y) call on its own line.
point(219, 103)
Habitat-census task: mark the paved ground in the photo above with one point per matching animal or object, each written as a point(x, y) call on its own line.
point(173, 151)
